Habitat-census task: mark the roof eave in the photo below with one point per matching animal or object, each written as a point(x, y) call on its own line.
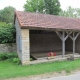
point(52, 29)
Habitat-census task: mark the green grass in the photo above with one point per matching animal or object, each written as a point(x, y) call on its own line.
point(10, 70)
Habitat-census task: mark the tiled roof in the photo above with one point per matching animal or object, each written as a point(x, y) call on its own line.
point(35, 20)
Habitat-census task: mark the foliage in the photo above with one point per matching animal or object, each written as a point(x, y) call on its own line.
point(43, 6)
point(13, 70)
point(4, 56)
point(34, 5)
point(7, 14)
point(16, 60)
point(12, 57)
point(7, 32)
point(31, 59)
point(52, 6)
point(70, 12)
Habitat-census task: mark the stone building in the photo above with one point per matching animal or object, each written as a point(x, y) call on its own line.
point(38, 33)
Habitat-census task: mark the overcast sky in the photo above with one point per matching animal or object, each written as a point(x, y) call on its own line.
point(18, 4)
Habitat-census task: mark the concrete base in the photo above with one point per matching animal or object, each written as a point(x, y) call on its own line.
point(57, 58)
point(44, 54)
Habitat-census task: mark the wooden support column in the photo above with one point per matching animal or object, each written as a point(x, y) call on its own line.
point(63, 38)
point(63, 44)
point(63, 48)
point(74, 37)
point(74, 43)
point(73, 47)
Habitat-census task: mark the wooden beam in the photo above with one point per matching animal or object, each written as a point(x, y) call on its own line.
point(59, 34)
point(66, 37)
point(77, 35)
point(69, 35)
point(73, 37)
point(33, 57)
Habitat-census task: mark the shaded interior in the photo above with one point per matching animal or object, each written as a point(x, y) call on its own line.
point(44, 41)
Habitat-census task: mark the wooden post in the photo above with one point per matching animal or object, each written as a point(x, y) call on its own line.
point(63, 48)
point(74, 37)
point(73, 46)
point(73, 43)
point(63, 38)
point(63, 44)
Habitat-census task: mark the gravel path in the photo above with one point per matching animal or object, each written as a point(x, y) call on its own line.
point(44, 76)
point(69, 77)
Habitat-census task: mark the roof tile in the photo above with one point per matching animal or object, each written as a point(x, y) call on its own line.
point(36, 20)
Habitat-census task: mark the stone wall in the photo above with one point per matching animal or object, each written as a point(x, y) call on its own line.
point(22, 41)
point(7, 48)
point(18, 39)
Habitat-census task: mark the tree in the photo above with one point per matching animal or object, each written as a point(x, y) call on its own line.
point(43, 6)
point(34, 6)
point(70, 12)
point(7, 14)
point(7, 32)
point(52, 6)
point(7, 29)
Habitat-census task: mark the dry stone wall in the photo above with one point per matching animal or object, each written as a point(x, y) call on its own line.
point(7, 48)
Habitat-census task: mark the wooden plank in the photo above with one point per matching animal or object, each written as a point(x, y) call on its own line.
point(33, 57)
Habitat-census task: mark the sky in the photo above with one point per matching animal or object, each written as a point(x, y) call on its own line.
point(18, 4)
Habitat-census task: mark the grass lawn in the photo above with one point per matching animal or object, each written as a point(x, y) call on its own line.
point(10, 70)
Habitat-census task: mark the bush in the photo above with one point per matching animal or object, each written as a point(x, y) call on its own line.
point(16, 60)
point(4, 56)
point(12, 55)
point(7, 32)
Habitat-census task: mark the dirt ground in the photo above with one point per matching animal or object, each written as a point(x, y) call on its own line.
point(43, 76)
